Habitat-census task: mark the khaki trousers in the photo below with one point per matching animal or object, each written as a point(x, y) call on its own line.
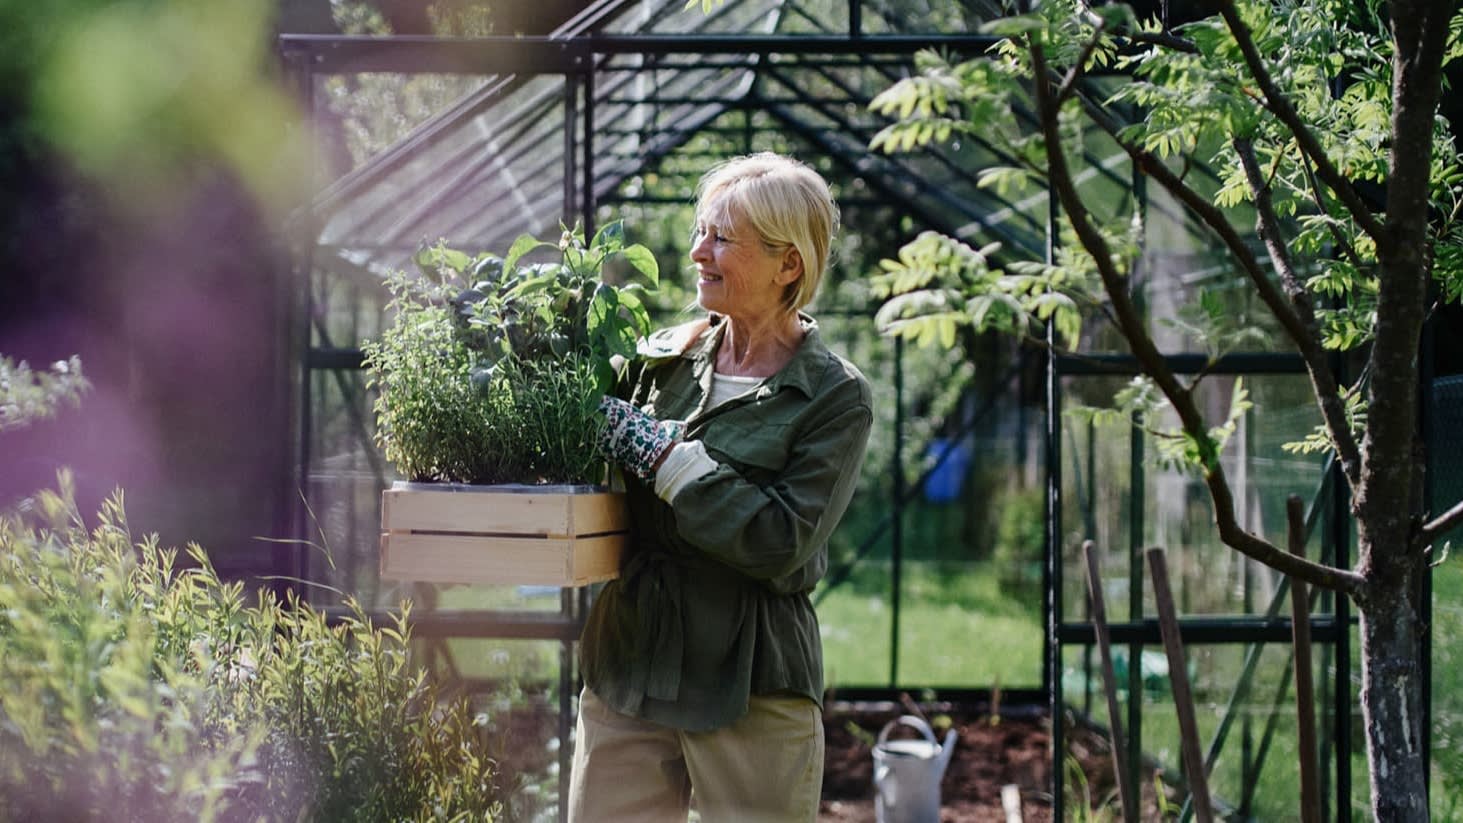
point(765, 768)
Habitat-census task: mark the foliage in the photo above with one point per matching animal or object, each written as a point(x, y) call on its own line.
point(27, 395)
point(1021, 541)
point(375, 110)
point(492, 368)
point(1329, 142)
point(1194, 107)
point(140, 686)
point(138, 94)
point(1090, 809)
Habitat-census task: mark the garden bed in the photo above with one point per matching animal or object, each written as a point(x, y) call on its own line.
point(990, 754)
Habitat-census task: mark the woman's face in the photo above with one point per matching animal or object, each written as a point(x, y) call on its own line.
point(737, 275)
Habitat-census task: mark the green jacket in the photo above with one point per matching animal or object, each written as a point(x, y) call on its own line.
point(712, 603)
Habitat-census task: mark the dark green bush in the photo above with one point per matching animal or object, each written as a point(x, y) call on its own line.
point(139, 688)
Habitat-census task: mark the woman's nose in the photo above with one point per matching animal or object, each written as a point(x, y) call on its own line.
point(701, 248)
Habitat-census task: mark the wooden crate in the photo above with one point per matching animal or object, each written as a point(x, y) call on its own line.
point(524, 535)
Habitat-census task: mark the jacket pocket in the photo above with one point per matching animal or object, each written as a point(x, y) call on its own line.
point(750, 444)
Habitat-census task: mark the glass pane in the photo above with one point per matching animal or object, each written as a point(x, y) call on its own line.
point(347, 475)
point(1103, 466)
point(1244, 707)
point(348, 304)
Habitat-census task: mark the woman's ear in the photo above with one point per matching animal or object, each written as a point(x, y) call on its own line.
point(792, 266)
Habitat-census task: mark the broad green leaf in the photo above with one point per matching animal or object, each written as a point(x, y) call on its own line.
point(533, 285)
point(610, 238)
point(456, 260)
point(643, 259)
point(601, 308)
point(521, 246)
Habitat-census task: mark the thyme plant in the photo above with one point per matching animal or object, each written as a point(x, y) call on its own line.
point(493, 367)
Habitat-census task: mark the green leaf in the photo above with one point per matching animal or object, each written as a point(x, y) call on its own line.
point(1115, 15)
point(533, 285)
point(455, 260)
point(610, 238)
point(643, 259)
point(1014, 26)
point(521, 246)
point(601, 308)
point(1006, 180)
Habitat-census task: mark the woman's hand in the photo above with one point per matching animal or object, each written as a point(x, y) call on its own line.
point(633, 438)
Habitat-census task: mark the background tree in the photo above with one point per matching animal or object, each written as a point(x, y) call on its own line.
point(1321, 120)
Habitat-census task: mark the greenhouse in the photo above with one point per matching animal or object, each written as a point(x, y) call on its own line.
point(1031, 555)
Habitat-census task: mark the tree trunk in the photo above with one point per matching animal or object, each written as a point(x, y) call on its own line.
point(1391, 698)
point(1388, 498)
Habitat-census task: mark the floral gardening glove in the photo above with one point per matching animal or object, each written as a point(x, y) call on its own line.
point(633, 438)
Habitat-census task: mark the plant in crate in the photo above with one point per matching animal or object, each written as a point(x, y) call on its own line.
point(489, 377)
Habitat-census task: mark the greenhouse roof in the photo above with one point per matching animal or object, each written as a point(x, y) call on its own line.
point(499, 162)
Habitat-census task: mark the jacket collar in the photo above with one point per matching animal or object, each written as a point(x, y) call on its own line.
point(801, 372)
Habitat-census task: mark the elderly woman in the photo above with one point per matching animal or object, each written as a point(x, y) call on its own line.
point(741, 435)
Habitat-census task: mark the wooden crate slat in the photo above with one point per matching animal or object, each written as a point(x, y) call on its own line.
point(555, 514)
point(441, 558)
point(598, 513)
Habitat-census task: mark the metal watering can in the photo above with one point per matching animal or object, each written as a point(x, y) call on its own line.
point(907, 773)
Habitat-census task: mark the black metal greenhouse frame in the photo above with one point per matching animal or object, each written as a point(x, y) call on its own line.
point(577, 59)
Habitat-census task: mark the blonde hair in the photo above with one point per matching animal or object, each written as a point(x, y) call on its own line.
point(785, 202)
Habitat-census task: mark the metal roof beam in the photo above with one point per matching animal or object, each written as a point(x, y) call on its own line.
point(409, 54)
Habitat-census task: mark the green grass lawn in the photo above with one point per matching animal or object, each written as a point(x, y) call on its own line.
point(1447, 661)
point(957, 628)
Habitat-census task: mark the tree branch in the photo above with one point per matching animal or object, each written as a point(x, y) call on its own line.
point(1328, 393)
point(1281, 107)
point(1144, 349)
point(1164, 39)
point(1316, 191)
point(1079, 66)
point(1306, 342)
point(1438, 526)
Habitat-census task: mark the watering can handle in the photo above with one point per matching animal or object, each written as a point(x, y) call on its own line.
point(912, 722)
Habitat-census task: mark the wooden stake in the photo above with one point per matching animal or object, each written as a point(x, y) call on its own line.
point(1011, 802)
point(1126, 804)
point(1305, 706)
point(1183, 697)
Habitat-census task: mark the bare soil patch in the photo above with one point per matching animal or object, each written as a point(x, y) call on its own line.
point(991, 752)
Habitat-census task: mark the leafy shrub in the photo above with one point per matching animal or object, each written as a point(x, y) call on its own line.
point(138, 688)
point(1021, 541)
point(492, 370)
point(27, 396)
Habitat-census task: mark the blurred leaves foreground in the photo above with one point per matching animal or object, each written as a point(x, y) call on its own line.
point(139, 686)
point(138, 94)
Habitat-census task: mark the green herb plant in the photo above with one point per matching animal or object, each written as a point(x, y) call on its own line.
point(139, 686)
point(492, 369)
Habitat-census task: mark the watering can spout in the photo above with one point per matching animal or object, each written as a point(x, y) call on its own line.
point(947, 749)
